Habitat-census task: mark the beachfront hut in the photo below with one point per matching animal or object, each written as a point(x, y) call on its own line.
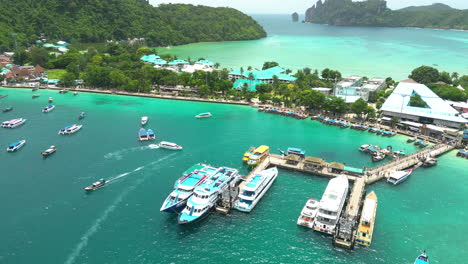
point(150, 58)
point(353, 171)
point(292, 159)
point(313, 163)
point(336, 167)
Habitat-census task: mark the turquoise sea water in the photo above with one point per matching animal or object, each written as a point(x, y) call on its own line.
point(366, 51)
point(48, 218)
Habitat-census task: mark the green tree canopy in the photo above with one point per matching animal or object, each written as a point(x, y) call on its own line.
point(425, 75)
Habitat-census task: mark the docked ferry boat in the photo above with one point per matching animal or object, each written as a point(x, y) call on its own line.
point(169, 145)
point(247, 154)
point(51, 150)
point(308, 213)
point(399, 176)
point(70, 129)
point(254, 189)
point(366, 224)
point(16, 145)
point(96, 185)
point(13, 123)
point(48, 108)
point(331, 205)
point(203, 115)
point(422, 259)
point(207, 194)
point(184, 186)
point(258, 155)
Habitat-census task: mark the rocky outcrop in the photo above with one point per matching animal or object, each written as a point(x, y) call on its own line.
point(295, 17)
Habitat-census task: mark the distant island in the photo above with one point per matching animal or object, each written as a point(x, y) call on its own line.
point(295, 17)
point(375, 13)
point(101, 20)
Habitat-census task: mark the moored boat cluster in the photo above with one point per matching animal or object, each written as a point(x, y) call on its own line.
point(284, 112)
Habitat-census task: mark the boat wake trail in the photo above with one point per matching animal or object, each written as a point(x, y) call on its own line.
point(97, 224)
point(119, 154)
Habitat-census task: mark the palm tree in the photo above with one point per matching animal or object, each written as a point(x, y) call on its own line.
point(216, 65)
point(455, 76)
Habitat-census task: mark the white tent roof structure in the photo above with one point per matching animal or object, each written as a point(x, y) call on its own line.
point(398, 102)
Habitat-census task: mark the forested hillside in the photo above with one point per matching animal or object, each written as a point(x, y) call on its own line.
point(100, 20)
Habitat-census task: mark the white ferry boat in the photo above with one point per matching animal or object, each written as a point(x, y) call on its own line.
point(13, 123)
point(70, 129)
point(254, 189)
point(308, 213)
point(331, 205)
point(169, 145)
point(207, 194)
point(144, 120)
point(16, 145)
point(399, 176)
point(48, 108)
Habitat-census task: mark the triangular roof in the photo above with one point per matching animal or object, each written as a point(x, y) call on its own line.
point(398, 102)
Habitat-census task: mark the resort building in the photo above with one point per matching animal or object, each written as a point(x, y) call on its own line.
point(325, 91)
point(255, 77)
point(353, 87)
point(435, 112)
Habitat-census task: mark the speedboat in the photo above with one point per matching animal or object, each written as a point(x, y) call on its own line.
point(169, 145)
point(16, 145)
point(144, 120)
point(410, 140)
point(75, 93)
point(364, 147)
point(151, 135)
point(258, 155)
point(247, 154)
point(308, 213)
point(422, 259)
point(82, 115)
point(70, 129)
point(254, 189)
point(95, 185)
point(49, 151)
point(35, 96)
point(399, 176)
point(142, 134)
point(63, 91)
point(430, 162)
point(48, 108)
point(207, 194)
point(13, 123)
point(203, 115)
point(8, 109)
point(51, 99)
point(184, 187)
point(378, 157)
point(398, 153)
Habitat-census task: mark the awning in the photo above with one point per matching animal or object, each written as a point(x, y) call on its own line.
point(337, 165)
point(355, 170)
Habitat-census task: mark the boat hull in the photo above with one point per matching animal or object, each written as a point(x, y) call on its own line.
point(185, 221)
point(175, 208)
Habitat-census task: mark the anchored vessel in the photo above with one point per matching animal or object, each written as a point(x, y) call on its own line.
point(399, 176)
point(203, 115)
point(308, 213)
point(296, 151)
point(366, 225)
point(96, 185)
point(35, 96)
point(184, 186)
point(142, 134)
point(49, 151)
point(258, 156)
point(82, 115)
point(70, 129)
point(8, 109)
point(48, 108)
point(254, 189)
point(144, 120)
point(16, 145)
point(13, 123)
point(51, 99)
point(331, 205)
point(207, 194)
point(422, 259)
point(151, 135)
point(247, 154)
point(169, 145)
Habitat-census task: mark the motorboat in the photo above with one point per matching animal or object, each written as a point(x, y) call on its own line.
point(254, 189)
point(142, 134)
point(308, 213)
point(184, 187)
point(51, 99)
point(169, 145)
point(364, 147)
point(423, 144)
point(144, 120)
point(430, 162)
point(151, 135)
point(48, 108)
point(258, 155)
point(418, 142)
point(51, 150)
point(75, 93)
point(13, 123)
point(411, 140)
point(16, 145)
point(35, 96)
point(70, 129)
point(378, 157)
point(399, 153)
point(96, 185)
point(8, 109)
point(422, 259)
point(367, 221)
point(82, 115)
point(296, 151)
point(203, 115)
point(207, 194)
point(399, 176)
point(331, 205)
point(64, 91)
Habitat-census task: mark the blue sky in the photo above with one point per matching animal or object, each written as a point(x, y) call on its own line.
point(286, 7)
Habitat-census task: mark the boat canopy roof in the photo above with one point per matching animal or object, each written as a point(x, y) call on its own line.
point(150, 131)
point(369, 207)
point(296, 150)
point(14, 144)
point(262, 149)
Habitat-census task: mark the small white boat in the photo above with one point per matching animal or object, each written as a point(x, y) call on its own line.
point(364, 147)
point(96, 185)
point(70, 129)
point(51, 99)
point(13, 123)
point(75, 93)
point(48, 108)
point(49, 151)
point(308, 213)
point(169, 145)
point(378, 157)
point(203, 115)
point(399, 176)
point(144, 120)
point(142, 134)
point(16, 145)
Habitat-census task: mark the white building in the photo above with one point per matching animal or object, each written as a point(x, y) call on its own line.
point(436, 112)
point(353, 87)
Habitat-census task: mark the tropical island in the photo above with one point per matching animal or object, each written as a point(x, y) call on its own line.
point(21, 22)
point(375, 13)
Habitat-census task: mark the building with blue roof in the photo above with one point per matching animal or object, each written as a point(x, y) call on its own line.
point(259, 77)
point(205, 62)
point(178, 63)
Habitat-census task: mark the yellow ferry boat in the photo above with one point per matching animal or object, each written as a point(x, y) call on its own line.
point(366, 224)
point(247, 154)
point(258, 155)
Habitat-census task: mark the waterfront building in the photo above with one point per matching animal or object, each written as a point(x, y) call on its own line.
point(325, 91)
point(177, 63)
point(436, 111)
point(353, 87)
point(258, 77)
